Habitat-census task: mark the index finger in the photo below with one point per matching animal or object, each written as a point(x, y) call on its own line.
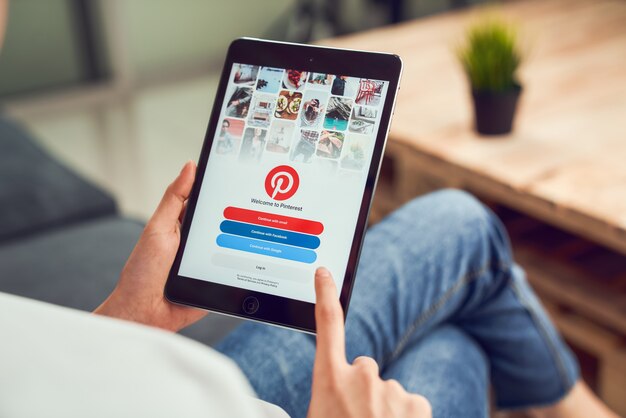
point(328, 320)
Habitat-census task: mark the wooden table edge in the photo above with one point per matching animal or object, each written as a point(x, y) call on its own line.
point(455, 175)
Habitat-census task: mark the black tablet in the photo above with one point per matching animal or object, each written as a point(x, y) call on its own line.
point(285, 179)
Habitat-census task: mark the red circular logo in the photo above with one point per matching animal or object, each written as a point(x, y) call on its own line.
point(282, 182)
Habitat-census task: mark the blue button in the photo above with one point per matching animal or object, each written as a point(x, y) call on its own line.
point(266, 248)
point(270, 234)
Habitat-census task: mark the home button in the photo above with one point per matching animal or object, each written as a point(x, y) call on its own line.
point(250, 305)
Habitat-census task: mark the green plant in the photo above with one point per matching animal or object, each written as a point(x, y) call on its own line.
point(490, 55)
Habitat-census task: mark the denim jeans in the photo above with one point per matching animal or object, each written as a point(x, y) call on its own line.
point(442, 307)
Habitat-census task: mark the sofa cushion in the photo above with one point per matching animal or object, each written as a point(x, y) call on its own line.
point(37, 192)
point(78, 267)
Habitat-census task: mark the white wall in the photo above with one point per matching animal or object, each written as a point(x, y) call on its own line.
point(165, 36)
point(39, 49)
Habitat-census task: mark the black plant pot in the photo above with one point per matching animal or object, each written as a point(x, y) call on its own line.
point(494, 111)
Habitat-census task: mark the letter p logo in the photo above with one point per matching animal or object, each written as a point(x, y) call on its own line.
point(282, 182)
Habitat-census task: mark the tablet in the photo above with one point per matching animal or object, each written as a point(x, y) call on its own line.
point(285, 180)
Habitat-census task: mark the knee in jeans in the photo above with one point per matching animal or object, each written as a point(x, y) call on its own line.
point(464, 204)
point(456, 213)
point(451, 207)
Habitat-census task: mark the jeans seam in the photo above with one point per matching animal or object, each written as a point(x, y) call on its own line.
point(562, 370)
point(464, 281)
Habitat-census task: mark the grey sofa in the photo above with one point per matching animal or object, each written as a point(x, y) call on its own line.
point(62, 239)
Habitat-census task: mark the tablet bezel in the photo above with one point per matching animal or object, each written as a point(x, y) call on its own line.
point(273, 309)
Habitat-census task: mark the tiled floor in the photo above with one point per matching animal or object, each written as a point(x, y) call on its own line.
point(133, 147)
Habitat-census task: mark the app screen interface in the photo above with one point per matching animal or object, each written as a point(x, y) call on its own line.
point(284, 180)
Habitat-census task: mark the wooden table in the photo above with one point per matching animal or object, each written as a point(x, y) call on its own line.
point(564, 165)
point(566, 160)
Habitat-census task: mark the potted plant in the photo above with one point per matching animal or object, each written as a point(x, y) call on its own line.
point(491, 57)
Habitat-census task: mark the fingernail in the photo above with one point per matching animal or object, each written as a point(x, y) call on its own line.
point(322, 272)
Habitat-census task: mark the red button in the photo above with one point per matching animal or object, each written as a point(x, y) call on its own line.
point(273, 220)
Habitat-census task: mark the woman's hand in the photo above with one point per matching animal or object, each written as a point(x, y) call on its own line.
point(138, 295)
point(351, 390)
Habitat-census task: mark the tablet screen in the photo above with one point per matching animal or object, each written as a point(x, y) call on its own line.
point(284, 180)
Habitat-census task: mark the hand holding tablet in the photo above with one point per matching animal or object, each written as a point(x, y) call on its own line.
point(285, 179)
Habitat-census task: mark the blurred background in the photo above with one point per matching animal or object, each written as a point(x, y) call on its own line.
point(122, 90)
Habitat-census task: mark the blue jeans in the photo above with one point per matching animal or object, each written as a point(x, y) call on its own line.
point(441, 306)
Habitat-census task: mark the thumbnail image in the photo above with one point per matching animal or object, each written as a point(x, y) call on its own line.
point(305, 146)
point(252, 144)
point(370, 92)
point(261, 110)
point(344, 86)
point(356, 152)
point(330, 144)
point(280, 136)
point(229, 136)
point(239, 102)
point(288, 105)
point(313, 106)
point(338, 113)
point(320, 80)
point(294, 80)
point(363, 119)
point(245, 74)
point(269, 79)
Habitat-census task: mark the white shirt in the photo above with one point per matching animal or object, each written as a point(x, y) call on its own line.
point(59, 362)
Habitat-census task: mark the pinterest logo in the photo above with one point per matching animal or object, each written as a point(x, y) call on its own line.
point(282, 182)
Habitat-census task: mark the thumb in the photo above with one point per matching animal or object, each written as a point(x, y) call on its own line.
point(165, 218)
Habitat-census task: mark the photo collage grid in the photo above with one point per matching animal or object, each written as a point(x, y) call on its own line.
point(309, 117)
